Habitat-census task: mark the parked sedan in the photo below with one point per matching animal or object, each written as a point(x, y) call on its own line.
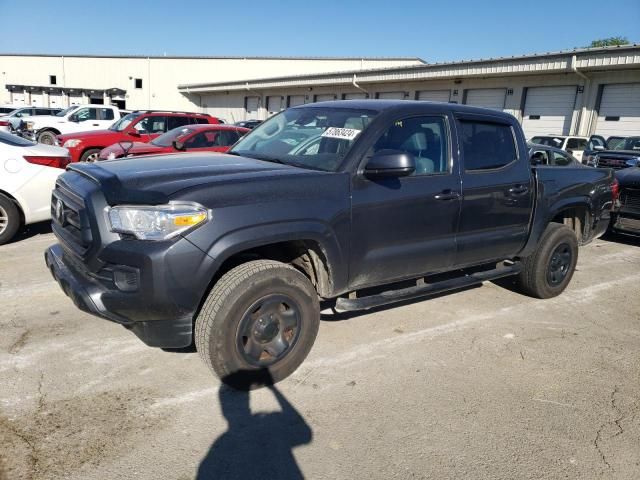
point(200, 137)
point(28, 175)
point(547, 155)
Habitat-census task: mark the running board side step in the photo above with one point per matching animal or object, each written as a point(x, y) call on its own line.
point(425, 289)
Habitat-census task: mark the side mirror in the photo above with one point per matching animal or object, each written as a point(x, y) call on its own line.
point(390, 163)
point(178, 145)
point(570, 152)
point(599, 148)
point(134, 133)
point(73, 118)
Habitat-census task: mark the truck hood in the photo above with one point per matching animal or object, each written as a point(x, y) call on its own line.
point(153, 180)
point(629, 177)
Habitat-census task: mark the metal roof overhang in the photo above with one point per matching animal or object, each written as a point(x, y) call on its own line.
point(60, 89)
point(595, 59)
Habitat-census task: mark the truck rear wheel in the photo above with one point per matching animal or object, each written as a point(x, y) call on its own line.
point(548, 270)
point(258, 324)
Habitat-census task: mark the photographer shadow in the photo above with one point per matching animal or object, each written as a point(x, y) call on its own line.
point(255, 445)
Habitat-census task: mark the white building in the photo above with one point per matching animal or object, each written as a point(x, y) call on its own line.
point(149, 82)
point(582, 91)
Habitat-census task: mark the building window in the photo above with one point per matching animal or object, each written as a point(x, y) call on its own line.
point(53, 80)
point(138, 83)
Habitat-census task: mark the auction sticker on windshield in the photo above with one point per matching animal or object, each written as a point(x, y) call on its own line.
point(341, 133)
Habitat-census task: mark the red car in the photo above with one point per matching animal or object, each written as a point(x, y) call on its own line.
point(196, 138)
point(139, 127)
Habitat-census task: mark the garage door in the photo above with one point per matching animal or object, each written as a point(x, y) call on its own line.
point(55, 100)
point(486, 97)
point(274, 104)
point(296, 100)
point(548, 110)
point(325, 97)
point(36, 99)
point(252, 104)
point(354, 96)
point(391, 95)
point(619, 110)
point(75, 99)
point(434, 95)
point(17, 98)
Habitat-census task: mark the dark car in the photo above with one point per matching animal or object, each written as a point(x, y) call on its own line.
point(625, 154)
point(546, 155)
point(248, 123)
point(626, 217)
point(358, 204)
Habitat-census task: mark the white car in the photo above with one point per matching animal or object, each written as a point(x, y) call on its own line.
point(78, 118)
point(11, 120)
point(572, 144)
point(28, 173)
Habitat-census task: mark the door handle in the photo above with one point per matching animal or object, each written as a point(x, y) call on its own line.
point(96, 124)
point(518, 190)
point(447, 195)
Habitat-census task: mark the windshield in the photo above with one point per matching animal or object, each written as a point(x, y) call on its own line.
point(630, 143)
point(548, 141)
point(167, 139)
point(316, 138)
point(15, 141)
point(124, 122)
point(65, 111)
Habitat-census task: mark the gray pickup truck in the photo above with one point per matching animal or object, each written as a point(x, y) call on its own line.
point(356, 203)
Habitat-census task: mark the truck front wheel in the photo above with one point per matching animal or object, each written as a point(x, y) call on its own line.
point(258, 323)
point(47, 137)
point(548, 270)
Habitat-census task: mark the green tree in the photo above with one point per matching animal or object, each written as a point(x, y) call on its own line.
point(608, 42)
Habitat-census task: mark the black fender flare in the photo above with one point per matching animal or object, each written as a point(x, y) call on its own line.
point(315, 231)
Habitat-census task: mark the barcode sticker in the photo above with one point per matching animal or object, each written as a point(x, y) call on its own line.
point(341, 133)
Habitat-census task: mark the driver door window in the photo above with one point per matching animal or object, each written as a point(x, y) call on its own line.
point(86, 114)
point(423, 137)
point(201, 140)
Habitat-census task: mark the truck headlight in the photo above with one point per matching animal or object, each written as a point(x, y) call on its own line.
point(29, 125)
point(158, 222)
point(74, 142)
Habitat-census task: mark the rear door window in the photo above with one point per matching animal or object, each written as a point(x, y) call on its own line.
point(175, 122)
point(487, 146)
point(576, 144)
point(106, 114)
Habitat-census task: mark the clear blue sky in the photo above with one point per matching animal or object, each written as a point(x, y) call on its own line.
point(434, 30)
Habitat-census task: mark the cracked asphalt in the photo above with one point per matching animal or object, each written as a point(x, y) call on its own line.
point(483, 383)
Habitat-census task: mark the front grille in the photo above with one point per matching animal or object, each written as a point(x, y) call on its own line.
point(630, 198)
point(69, 220)
point(615, 163)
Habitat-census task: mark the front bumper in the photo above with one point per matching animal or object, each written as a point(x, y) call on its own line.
point(160, 313)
